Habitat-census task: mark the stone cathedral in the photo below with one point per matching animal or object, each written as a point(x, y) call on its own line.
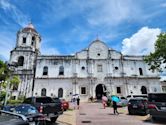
point(94, 71)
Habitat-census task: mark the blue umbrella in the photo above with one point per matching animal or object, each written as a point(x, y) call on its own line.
point(115, 98)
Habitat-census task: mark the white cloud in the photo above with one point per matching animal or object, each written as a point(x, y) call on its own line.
point(113, 12)
point(13, 12)
point(47, 49)
point(163, 5)
point(142, 42)
point(6, 44)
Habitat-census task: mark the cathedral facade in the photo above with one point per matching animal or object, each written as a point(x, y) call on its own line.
point(94, 71)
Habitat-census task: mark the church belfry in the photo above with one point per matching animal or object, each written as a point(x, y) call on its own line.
point(24, 55)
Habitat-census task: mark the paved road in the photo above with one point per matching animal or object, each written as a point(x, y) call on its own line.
point(94, 114)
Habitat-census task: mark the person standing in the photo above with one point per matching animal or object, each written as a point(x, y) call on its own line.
point(115, 107)
point(78, 103)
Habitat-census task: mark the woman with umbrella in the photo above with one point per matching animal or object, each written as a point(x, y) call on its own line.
point(115, 99)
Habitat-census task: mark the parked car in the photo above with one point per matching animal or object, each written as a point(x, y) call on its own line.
point(47, 106)
point(65, 104)
point(157, 105)
point(138, 106)
point(123, 102)
point(9, 118)
point(31, 113)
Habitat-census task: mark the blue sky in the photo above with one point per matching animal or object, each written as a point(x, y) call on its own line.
point(68, 26)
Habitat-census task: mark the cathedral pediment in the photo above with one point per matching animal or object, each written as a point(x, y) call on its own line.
point(98, 50)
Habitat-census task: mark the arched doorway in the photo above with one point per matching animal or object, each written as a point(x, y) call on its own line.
point(143, 90)
point(100, 90)
point(60, 92)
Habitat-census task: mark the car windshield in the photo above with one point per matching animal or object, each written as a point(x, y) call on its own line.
point(25, 110)
point(56, 99)
point(136, 101)
point(157, 97)
point(45, 100)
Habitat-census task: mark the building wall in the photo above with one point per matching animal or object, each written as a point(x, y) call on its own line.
point(97, 64)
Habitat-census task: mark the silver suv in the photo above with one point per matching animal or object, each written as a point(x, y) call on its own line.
point(157, 105)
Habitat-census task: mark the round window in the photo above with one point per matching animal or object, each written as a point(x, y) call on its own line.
point(98, 54)
point(83, 68)
point(116, 68)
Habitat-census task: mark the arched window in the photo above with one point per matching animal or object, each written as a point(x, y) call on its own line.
point(140, 71)
point(21, 61)
point(45, 70)
point(61, 70)
point(143, 90)
point(60, 92)
point(43, 92)
point(33, 40)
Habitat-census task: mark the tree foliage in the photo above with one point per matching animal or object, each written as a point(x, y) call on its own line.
point(4, 71)
point(157, 59)
point(14, 82)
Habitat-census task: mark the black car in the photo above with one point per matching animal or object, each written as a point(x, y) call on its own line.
point(157, 105)
point(138, 106)
point(9, 118)
point(30, 112)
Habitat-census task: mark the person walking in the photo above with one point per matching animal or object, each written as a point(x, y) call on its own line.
point(115, 107)
point(74, 102)
point(78, 102)
point(104, 101)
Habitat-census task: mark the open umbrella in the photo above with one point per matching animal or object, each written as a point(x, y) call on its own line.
point(115, 98)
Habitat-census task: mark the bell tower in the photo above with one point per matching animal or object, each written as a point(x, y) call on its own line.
point(24, 55)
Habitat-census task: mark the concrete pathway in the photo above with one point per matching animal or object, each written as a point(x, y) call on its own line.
point(95, 114)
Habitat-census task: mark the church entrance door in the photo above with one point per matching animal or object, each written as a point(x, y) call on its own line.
point(100, 90)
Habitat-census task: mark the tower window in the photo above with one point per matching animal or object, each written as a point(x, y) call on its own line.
point(61, 70)
point(24, 40)
point(99, 68)
point(140, 71)
point(33, 38)
point(45, 70)
point(21, 61)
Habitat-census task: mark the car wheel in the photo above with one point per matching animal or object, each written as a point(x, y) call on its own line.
point(53, 119)
point(153, 119)
point(130, 112)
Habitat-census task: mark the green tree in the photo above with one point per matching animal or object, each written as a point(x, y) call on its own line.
point(14, 82)
point(4, 71)
point(156, 59)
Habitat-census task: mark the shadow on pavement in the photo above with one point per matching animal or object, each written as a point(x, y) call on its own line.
point(157, 121)
point(49, 123)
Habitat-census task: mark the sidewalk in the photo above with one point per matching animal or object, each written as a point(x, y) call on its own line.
point(68, 117)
